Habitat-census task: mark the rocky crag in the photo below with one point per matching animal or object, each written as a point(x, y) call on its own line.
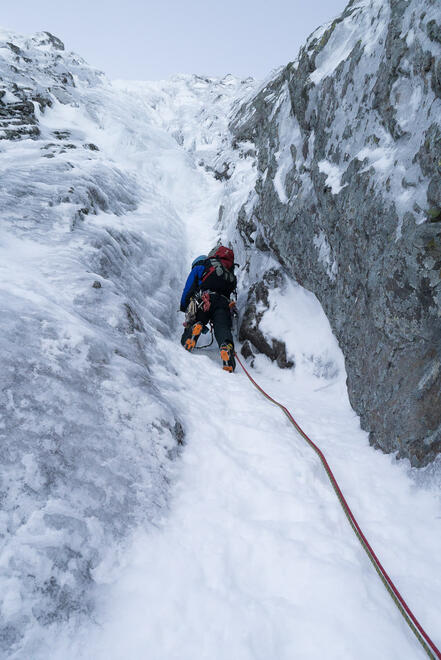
point(347, 198)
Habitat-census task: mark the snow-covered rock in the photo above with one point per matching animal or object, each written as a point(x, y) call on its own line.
point(108, 191)
point(348, 200)
point(86, 435)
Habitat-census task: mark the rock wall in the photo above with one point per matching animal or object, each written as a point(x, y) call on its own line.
point(348, 199)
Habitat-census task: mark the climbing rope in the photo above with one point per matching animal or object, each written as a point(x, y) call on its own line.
point(424, 639)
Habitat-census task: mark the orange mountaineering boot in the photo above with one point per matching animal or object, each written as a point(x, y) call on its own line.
point(196, 330)
point(227, 355)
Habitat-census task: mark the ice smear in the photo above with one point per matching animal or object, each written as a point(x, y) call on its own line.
point(325, 256)
point(356, 28)
point(381, 158)
point(289, 135)
point(333, 175)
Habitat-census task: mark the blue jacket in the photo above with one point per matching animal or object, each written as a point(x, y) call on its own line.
point(192, 285)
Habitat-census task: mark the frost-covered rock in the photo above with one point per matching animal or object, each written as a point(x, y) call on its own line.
point(257, 305)
point(347, 198)
point(86, 434)
point(195, 110)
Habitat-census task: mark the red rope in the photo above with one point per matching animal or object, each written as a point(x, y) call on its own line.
point(373, 557)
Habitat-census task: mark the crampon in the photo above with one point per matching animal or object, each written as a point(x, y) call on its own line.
point(227, 355)
point(196, 330)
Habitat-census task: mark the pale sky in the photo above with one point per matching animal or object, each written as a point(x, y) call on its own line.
point(148, 40)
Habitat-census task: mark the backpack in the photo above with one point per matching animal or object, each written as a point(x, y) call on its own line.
point(219, 271)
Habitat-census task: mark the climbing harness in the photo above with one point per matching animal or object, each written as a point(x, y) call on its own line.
point(424, 639)
point(201, 301)
point(233, 312)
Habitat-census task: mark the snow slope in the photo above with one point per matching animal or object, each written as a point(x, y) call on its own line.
point(256, 559)
point(87, 437)
point(236, 548)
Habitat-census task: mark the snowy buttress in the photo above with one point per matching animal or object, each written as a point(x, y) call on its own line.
point(89, 263)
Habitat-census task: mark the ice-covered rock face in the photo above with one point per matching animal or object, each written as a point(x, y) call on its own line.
point(86, 435)
point(348, 199)
point(195, 110)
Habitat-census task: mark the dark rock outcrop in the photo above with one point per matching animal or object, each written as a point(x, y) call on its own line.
point(249, 331)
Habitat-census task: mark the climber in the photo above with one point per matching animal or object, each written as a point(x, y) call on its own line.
point(206, 297)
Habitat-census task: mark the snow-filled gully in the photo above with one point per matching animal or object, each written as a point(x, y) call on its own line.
point(254, 559)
